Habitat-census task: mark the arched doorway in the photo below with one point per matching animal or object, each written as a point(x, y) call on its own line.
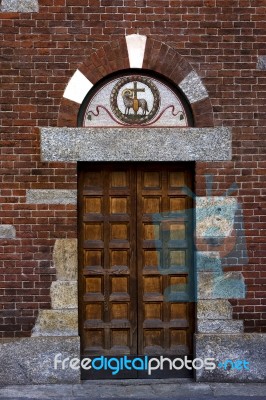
point(136, 280)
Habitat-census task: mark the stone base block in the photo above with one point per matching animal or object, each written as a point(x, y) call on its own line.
point(222, 347)
point(27, 361)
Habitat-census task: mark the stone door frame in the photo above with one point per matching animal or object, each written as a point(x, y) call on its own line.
point(203, 142)
point(56, 330)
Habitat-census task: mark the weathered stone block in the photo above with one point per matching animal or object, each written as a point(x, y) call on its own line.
point(215, 216)
point(229, 285)
point(250, 347)
point(56, 323)
point(7, 232)
point(64, 294)
point(65, 256)
point(214, 309)
point(205, 285)
point(51, 196)
point(31, 360)
point(261, 65)
point(219, 326)
point(19, 6)
point(208, 261)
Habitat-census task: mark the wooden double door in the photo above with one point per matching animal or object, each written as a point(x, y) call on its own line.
point(135, 259)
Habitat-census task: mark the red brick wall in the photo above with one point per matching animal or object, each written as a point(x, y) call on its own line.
point(39, 52)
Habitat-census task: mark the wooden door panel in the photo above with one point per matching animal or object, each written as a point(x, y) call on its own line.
point(135, 252)
point(164, 240)
point(108, 263)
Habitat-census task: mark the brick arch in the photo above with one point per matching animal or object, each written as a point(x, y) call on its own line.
point(158, 57)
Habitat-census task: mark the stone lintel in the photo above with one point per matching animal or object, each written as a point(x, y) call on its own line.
point(135, 144)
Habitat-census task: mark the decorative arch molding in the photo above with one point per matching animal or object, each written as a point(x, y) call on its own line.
point(136, 51)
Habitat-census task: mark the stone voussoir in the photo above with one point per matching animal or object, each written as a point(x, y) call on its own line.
point(261, 65)
point(193, 87)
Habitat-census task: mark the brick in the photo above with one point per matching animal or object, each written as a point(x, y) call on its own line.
point(222, 40)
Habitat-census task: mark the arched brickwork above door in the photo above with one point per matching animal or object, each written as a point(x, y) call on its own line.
point(141, 52)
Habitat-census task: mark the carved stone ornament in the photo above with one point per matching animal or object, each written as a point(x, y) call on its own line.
point(134, 100)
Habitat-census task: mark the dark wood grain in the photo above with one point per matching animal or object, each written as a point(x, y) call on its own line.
point(135, 247)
